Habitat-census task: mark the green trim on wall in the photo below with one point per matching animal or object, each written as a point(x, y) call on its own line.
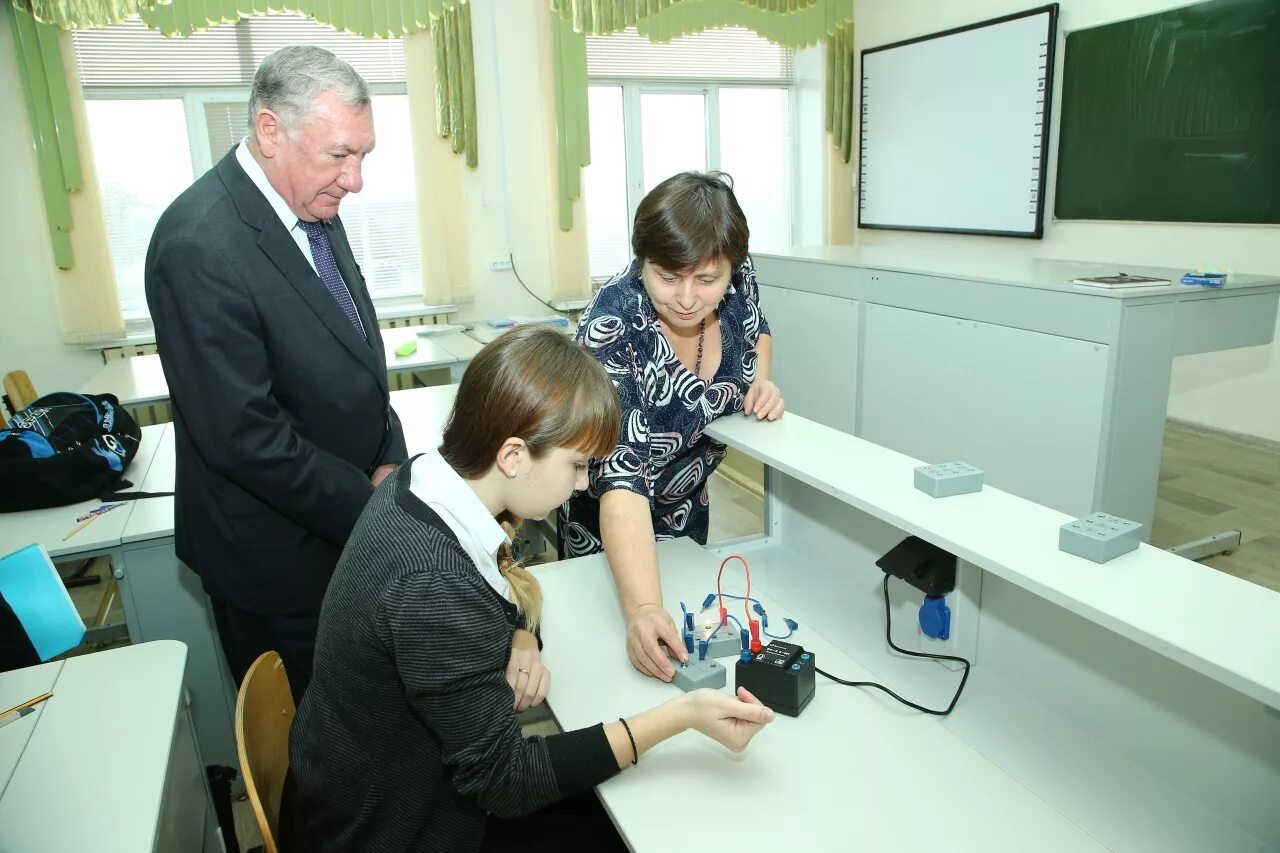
point(44, 91)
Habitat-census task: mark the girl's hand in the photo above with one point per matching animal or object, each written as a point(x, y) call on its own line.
point(529, 679)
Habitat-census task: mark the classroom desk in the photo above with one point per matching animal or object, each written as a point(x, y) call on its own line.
point(108, 763)
point(140, 380)
point(1059, 392)
point(484, 333)
point(48, 526)
point(850, 773)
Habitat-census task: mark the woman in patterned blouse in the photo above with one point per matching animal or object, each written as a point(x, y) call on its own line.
point(681, 334)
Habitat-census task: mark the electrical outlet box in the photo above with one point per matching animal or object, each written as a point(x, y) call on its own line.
point(1099, 537)
point(503, 264)
point(948, 478)
point(699, 673)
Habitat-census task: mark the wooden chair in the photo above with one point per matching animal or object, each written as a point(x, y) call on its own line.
point(18, 391)
point(264, 713)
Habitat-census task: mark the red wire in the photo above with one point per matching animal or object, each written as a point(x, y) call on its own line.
point(746, 602)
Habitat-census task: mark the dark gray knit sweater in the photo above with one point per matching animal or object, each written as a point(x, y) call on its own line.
point(406, 738)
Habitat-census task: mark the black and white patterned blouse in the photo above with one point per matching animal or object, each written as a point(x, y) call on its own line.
point(662, 453)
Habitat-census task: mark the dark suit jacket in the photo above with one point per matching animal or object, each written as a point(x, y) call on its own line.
point(280, 407)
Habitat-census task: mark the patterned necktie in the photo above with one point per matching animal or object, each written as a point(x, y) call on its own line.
point(327, 268)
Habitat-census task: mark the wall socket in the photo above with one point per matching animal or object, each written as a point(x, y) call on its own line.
point(504, 264)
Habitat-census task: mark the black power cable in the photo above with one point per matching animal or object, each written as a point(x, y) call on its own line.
point(511, 258)
point(888, 624)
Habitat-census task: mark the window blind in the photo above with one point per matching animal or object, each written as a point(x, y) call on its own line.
point(132, 54)
point(729, 53)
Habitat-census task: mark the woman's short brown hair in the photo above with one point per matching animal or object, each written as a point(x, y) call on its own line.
point(690, 218)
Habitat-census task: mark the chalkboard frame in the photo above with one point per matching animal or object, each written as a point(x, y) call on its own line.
point(1035, 233)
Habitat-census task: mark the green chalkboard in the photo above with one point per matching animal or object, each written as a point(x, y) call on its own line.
point(1174, 117)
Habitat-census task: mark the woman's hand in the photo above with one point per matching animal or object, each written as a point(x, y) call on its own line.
point(764, 400)
point(529, 679)
point(648, 625)
point(731, 722)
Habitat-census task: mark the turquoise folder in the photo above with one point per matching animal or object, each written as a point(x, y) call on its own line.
point(31, 585)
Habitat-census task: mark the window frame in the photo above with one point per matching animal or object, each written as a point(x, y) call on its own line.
point(193, 100)
point(633, 134)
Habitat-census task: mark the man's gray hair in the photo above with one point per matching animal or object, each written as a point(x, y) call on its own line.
point(290, 80)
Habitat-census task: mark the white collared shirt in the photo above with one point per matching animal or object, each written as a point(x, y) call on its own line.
point(287, 217)
point(438, 486)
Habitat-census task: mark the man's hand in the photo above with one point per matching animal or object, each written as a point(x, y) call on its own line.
point(381, 472)
point(648, 626)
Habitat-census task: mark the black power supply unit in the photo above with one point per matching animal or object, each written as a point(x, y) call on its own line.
point(781, 675)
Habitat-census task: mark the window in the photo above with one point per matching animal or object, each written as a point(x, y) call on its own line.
point(150, 140)
point(721, 99)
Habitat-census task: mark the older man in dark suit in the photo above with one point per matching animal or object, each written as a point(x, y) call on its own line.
point(274, 363)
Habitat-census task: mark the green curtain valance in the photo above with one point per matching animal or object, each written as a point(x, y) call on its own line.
point(791, 23)
point(33, 26)
point(369, 18)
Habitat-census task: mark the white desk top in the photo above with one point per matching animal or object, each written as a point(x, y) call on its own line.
point(1212, 622)
point(135, 381)
point(91, 774)
point(1014, 270)
point(460, 344)
point(152, 518)
point(423, 412)
point(836, 777)
point(140, 380)
point(484, 333)
point(430, 352)
point(48, 526)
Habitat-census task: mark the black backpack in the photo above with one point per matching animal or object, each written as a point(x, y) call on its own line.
point(65, 448)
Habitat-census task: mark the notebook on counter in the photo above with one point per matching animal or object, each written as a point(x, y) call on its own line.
point(1121, 280)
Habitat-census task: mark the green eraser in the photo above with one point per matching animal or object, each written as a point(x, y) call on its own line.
point(407, 348)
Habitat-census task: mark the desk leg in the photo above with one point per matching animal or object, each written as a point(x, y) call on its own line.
point(1134, 417)
point(456, 370)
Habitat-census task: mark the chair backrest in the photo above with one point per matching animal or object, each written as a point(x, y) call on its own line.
point(264, 713)
point(18, 391)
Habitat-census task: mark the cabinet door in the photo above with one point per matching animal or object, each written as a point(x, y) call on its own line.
point(164, 601)
point(1026, 407)
point(815, 353)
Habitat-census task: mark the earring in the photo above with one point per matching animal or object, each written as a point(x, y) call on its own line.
point(511, 473)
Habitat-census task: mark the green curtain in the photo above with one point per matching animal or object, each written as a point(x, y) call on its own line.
point(33, 26)
point(44, 89)
point(792, 23)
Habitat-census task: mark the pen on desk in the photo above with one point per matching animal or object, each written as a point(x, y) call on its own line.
point(18, 709)
point(17, 715)
point(98, 511)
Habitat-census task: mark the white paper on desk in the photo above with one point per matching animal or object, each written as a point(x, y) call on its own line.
point(33, 588)
point(439, 329)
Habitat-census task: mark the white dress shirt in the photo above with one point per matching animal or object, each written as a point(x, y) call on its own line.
point(438, 486)
point(287, 217)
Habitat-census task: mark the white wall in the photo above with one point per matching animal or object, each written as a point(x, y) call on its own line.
point(30, 338)
point(1238, 390)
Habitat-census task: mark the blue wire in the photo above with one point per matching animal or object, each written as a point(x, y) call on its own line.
point(736, 622)
point(785, 636)
point(742, 597)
